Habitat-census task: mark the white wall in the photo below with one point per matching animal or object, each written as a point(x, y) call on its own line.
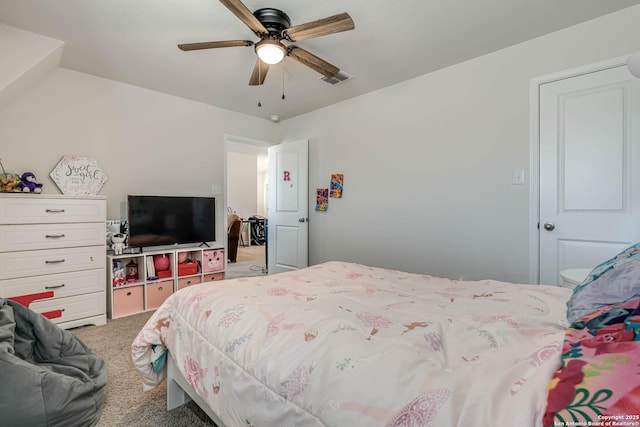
point(26, 58)
point(428, 163)
point(242, 176)
point(146, 142)
point(262, 186)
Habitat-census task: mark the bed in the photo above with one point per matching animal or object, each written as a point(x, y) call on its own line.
point(342, 344)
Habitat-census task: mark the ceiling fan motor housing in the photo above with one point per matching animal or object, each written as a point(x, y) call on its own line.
point(274, 20)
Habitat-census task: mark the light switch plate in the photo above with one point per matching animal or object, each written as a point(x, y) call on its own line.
point(518, 177)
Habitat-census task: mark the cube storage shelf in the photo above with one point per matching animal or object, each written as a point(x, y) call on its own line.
point(142, 282)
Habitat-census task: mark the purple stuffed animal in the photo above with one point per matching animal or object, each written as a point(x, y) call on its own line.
point(28, 183)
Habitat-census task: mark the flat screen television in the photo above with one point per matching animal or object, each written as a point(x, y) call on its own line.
point(170, 220)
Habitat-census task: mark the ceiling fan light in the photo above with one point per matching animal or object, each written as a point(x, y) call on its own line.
point(270, 51)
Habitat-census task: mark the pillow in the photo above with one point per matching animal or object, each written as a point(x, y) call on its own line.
point(622, 257)
point(614, 281)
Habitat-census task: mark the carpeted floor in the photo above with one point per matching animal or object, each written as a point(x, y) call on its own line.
point(126, 405)
point(251, 261)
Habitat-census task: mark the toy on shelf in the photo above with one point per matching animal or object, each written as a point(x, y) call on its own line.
point(161, 262)
point(9, 183)
point(187, 266)
point(162, 266)
point(132, 272)
point(28, 183)
point(117, 243)
point(119, 274)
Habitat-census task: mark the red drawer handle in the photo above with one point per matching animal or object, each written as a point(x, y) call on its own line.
point(53, 314)
point(26, 300)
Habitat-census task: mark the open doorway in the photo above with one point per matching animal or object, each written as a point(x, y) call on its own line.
point(246, 204)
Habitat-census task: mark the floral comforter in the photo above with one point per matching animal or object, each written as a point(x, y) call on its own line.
point(599, 381)
point(341, 344)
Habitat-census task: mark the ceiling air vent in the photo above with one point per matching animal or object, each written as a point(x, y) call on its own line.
point(337, 79)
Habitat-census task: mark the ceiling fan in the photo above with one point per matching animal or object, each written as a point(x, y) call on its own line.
point(273, 26)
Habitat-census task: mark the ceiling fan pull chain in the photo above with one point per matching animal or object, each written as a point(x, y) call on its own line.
point(260, 86)
point(283, 80)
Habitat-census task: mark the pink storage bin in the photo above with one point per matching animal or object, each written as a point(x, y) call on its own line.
point(212, 260)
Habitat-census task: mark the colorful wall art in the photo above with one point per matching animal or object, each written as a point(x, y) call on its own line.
point(337, 183)
point(322, 199)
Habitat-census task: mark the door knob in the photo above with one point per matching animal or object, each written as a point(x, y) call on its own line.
point(549, 226)
point(301, 219)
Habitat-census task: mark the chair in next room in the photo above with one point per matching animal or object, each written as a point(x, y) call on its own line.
point(233, 236)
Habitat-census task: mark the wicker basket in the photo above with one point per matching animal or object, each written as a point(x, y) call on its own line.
point(9, 181)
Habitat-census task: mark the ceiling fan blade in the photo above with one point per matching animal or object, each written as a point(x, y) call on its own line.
point(240, 10)
point(321, 27)
point(312, 61)
point(213, 45)
point(259, 73)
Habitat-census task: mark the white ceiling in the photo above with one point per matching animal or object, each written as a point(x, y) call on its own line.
point(134, 41)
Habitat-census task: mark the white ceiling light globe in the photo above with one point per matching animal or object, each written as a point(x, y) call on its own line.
point(270, 51)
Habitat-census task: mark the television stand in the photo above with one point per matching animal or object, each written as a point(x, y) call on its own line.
point(142, 281)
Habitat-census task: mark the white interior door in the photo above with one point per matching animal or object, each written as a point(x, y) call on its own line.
point(589, 170)
point(288, 210)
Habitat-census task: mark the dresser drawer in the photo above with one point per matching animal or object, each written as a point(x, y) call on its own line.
point(66, 309)
point(50, 261)
point(49, 236)
point(188, 281)
point(23, 209)
point(62, 285)
point(157, 293)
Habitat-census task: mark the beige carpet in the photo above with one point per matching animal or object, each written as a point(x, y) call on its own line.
point(252, 253)
point(126, 404)
point(250, 261)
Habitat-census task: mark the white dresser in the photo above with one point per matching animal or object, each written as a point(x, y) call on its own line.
point(52, 251)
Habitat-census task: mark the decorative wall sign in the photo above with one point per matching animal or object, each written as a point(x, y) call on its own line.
point(336, 186)
point(78, 176)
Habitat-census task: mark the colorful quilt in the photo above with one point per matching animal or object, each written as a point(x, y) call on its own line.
point(599, 382)
point(612, 282)
point(341, 344)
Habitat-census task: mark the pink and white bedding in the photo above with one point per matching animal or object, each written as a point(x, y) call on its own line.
point(598, 383)
point(341, 344)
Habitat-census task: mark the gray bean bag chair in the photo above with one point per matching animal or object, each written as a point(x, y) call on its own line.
point(48, 377)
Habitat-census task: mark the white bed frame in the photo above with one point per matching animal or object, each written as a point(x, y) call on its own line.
point(180, 392)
